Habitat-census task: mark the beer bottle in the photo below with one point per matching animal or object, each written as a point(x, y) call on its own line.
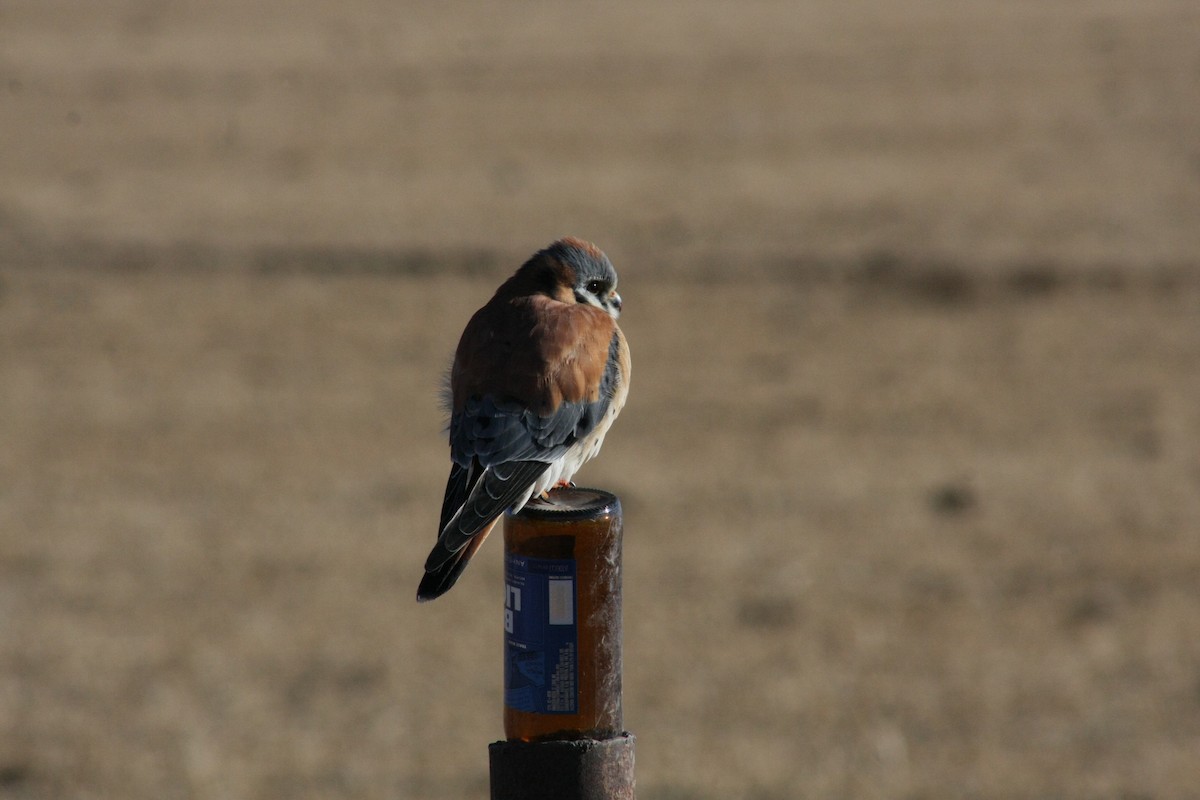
point(562, 617)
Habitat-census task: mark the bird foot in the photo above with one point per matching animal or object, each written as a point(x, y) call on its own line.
point(545, 496)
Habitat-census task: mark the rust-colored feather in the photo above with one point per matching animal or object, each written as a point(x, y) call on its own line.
point(533, 349)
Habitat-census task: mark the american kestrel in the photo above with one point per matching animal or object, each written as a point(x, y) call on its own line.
point(540, 374)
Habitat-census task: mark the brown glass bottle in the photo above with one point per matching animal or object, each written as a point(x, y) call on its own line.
point(568, 543)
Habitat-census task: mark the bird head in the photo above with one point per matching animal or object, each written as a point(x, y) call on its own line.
point(574, 271)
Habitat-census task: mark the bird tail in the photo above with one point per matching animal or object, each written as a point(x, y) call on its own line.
point(438, 579)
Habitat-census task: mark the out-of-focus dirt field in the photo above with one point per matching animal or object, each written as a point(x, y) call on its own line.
point(911, 462)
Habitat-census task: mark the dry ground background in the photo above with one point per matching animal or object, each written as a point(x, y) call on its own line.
point(911, 463)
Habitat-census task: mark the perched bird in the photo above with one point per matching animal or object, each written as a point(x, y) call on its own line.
point(540, 374)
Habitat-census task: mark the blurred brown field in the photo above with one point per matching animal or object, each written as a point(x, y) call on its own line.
point(911, 462)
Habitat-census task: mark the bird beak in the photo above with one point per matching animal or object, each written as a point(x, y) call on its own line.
point(615, 299)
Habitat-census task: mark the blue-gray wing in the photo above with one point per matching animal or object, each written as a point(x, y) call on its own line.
point(499, 448)
point(494, 430)
point(510, 450)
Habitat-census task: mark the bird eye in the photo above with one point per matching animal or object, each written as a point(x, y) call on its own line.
point(594, 287)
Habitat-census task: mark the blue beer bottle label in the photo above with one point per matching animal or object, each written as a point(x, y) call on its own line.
point(541, 673)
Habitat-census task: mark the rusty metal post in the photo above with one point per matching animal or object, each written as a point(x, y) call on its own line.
point(584, 769)
point(562, 647)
